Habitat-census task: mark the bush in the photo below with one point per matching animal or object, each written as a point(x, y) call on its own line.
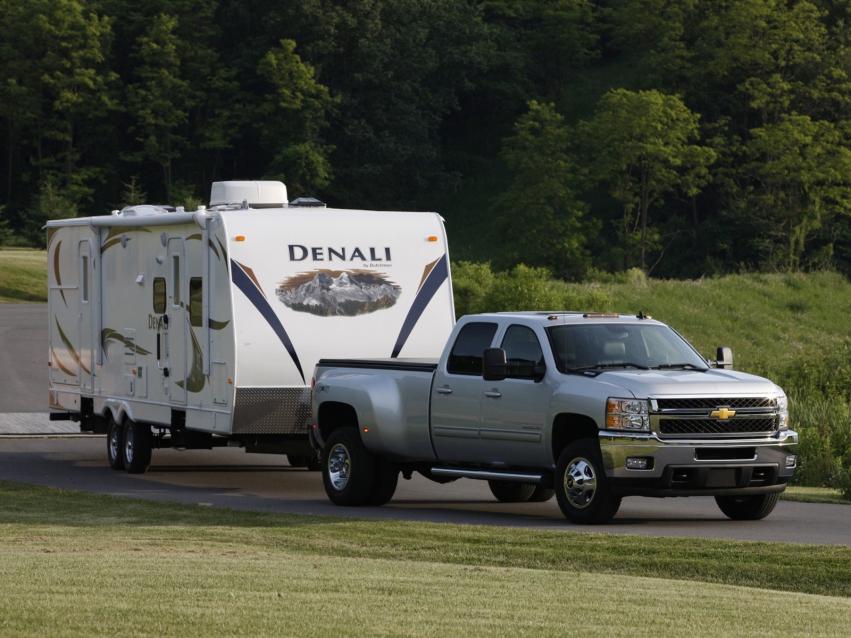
point(824, 450)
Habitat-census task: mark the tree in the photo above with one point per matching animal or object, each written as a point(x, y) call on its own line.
point(642, 146)
point(539, 211)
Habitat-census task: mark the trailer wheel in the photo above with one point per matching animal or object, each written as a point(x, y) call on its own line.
point(348, 468)
point(137, 447)
point(511, 492)
point(114, 443)
point(747, 508)
point(580, 483)
point(384, 482)
point(541, 494)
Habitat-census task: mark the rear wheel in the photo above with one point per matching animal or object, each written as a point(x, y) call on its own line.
point(348, 468)
point(747, 508)
point(580, 483)
point(541, 494)
point(137, 447)
point(511, 492)
point(114, 441)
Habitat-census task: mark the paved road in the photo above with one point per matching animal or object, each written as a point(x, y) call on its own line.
point(23, 357)
point(231, 478)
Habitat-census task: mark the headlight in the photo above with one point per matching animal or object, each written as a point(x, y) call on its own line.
point(627, 414)
point(783, 407)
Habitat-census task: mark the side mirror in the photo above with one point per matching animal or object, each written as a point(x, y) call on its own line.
point(724, 358)
point(494, 365)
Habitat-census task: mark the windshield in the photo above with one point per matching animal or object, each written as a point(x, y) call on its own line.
point(642, 346)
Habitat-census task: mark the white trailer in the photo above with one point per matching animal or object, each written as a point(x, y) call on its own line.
point(201, 329)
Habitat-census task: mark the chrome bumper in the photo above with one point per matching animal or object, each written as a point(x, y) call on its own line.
point(688, 467)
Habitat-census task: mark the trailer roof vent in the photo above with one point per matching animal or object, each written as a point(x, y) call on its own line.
point(307, 202)
point(258, 194)
point(145, 210)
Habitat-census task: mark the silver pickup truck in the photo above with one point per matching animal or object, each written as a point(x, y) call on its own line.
point(590, 407)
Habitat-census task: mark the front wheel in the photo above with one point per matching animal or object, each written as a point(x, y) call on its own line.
point(511, 492)
point(580, 483)
point(137, 447)
point(747, 508)
point(114, 441)
point(348, 468)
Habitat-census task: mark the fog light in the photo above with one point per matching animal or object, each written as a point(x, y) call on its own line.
point(638, 463)
point(790, 460)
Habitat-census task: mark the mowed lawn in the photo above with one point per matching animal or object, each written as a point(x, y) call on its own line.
point(76, 564)
point(23, 276)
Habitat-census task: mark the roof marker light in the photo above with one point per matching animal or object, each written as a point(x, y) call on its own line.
point(601, 315)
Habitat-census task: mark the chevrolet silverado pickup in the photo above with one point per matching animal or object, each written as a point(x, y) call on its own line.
point(589, 407)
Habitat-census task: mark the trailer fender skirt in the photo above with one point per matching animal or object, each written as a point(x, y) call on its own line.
point(246, 283)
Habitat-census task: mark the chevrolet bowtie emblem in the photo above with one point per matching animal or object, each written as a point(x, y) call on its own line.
point(722, 413)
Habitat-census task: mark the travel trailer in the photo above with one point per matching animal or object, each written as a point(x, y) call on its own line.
point(201, 329)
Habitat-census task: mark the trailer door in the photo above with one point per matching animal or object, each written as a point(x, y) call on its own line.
point(175, 333)
point(86, 320)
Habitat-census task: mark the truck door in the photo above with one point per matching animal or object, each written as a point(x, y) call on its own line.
point(514, 410)
point(86, 319)
point(175, 330)
point(457, 394)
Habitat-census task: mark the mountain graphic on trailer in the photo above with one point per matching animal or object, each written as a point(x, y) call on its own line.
point(329, 293)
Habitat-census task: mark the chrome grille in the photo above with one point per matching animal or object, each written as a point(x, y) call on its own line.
point(712, 404)
point(715, 426)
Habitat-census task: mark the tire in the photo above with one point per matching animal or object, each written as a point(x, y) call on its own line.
point(511, 492)
point(442, 480)
point(541, 494)
point(580, 485)
point(348, 468)
point(747, 508)
point(114, 444)
point(384, 481)
point(137, 447)
point(297, 460)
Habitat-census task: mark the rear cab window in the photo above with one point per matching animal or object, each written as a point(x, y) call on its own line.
point(468, 351)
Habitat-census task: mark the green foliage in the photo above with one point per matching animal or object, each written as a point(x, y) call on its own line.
point(539, 211)
point(133, 195)
point(477, 289)
point(50, 202)
point(5, 231)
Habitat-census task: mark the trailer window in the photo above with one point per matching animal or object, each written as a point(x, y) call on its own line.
point(85, 279)
point(159, 295)
point(468, 351)
point(175, 279)
point(196, 305)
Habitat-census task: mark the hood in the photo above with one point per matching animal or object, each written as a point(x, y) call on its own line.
point(653, 383)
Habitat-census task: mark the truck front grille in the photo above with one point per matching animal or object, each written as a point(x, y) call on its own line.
point(701, 403)
point(715, 426)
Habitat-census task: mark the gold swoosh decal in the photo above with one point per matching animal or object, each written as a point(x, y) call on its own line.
point(59, 363)
point(56, 271)
point(70, 347)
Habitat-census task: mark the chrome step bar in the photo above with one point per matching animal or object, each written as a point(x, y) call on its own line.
point(487, 476)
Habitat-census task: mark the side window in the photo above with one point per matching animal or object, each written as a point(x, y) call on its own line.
point(159, 295)
point(196, 306)
point(175, 279)
point(521, 346)
point(85, 279)
point(468, 351)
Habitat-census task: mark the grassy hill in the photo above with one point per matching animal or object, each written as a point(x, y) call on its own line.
point(23, 275)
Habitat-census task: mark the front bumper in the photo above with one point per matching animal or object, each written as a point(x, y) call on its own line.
point(697, 467)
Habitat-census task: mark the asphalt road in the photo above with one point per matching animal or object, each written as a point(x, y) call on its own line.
point(231, 478)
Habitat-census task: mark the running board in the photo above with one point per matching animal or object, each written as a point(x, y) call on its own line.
point(487, 476)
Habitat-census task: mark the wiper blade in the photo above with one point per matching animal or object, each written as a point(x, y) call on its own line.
point(620, 364)
point(687, 366)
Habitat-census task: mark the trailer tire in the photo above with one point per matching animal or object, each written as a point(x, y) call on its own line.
point(747, 508)
point(510, 491)
point(580, 482)
point(137, 447)
point(114, 444)
point(384, 482)
point(348, 468)
point(541, 494)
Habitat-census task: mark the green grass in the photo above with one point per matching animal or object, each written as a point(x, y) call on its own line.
point(814, 495)
point(83, 564)
point(23, 276)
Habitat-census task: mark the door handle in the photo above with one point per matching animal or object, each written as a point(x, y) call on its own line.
point(444, 390)
point(493, 394)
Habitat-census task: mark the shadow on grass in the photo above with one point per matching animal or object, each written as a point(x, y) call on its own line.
point(17, 295)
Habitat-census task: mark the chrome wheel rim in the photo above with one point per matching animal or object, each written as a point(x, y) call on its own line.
point(128, 445)
point(580, 483)
point(114, 445)
point(339, 466)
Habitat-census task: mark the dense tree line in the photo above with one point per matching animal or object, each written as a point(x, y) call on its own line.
point(681, 137)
